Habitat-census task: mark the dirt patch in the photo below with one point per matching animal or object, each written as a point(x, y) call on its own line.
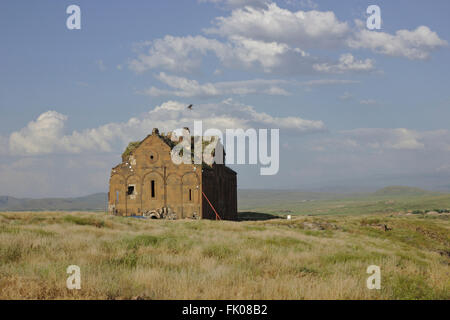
point(434, 235)
point(319, 226)
point(381, 226)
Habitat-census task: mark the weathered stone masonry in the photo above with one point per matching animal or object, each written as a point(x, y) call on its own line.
point(148, 183)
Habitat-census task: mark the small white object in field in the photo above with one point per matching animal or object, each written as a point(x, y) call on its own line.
point(289, 217)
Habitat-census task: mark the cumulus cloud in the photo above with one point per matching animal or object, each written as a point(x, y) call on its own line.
point(398, 139)
point(346, 63)
point(177, 53)
point(191, 88)
point(47, 135)
point(303, 29)
point(269, 40)
point(276, 40)
point(415, 44)
point(39, 136)
point(268, 56)
point(185, 54)
point(366, 141)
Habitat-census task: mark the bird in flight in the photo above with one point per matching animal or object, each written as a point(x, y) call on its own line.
point(190, 107)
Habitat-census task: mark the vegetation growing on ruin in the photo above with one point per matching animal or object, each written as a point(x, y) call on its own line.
point(166, 138)
point(130, 148)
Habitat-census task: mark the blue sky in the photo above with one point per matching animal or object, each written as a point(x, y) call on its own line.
point(372, 107)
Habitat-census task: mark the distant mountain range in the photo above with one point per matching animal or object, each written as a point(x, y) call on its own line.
point(94, 202)
point(247, 199)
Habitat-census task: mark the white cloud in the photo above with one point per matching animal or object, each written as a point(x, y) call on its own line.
point(399, 139)
point(185, 54)
point(177, 53)
point(276, 40)
point(238, 3)
point(46, 134)
point(304, 29)
point(346, 63)
point(368, 102)
point(39, 136)
point(192, 88)
point(232, 4)
point(385, 138)
point(269, 56)
point(416, 44)
point(271, 40)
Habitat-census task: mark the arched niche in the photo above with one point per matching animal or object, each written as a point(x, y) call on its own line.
point(153, 190)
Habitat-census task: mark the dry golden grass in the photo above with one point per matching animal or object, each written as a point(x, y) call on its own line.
point(305, 258)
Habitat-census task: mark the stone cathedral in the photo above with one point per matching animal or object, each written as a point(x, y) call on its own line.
point(148, 183)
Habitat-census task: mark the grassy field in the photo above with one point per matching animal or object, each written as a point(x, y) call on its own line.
point(308, 257)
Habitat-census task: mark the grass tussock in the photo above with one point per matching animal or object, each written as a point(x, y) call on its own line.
point(305, 258)
point(85, 221)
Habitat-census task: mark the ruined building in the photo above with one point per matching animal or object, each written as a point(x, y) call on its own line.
point(148, 183)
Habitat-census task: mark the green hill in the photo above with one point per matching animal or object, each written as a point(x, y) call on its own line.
point(402, 191)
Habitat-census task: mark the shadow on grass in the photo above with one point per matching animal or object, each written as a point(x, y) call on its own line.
point(256, 216)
